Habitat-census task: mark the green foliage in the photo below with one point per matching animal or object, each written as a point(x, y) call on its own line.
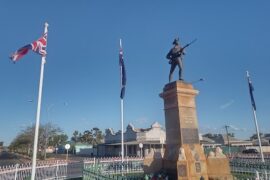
point(93, 136)
point(75, 138)
point(254, 136)
point(49, 135)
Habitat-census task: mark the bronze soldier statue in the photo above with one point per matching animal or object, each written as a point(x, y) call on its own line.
point(175, 56)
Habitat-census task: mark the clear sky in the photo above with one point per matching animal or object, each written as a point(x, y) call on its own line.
point(81, 78)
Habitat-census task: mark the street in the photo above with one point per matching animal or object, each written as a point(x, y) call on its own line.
point(7, 158)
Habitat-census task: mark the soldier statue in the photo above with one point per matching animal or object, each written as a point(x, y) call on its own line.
point(175, 57)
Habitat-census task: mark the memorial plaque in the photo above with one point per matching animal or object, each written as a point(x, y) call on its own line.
point(182, 170)
point(190, 136)
point(188, 117)
point(198, 167)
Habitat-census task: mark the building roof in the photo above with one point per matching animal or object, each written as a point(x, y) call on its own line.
point(224, 139)
point(264, 142)
point(152, 134)
point(133, 143)
point(207, 140)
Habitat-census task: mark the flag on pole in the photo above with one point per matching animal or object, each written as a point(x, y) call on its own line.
point(122, 72)
point(38, 46)
point(251, 89)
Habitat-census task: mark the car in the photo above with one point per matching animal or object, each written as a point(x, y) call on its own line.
point(250, 151)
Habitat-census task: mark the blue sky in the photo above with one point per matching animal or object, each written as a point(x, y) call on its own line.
point(81, 79)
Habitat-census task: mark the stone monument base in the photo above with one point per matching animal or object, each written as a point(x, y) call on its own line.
point(218, 166)
point(195, 161)
point(191, 164)
point(184, 158)
point(152, 163)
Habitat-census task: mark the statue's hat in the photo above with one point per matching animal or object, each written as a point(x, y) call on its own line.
point(176, 41)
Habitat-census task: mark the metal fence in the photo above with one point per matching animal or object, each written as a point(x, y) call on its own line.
point(115, 165)
point(73, 169)
point(250, 167)
point(242, 167)
point(44, 170)
point(113, 168)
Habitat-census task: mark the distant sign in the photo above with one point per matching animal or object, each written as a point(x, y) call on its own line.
point(67, 146)
point(141, 145)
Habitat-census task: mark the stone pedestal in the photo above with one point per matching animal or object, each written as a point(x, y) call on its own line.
point(218, 166)
point(152, 162)
point(184, 157)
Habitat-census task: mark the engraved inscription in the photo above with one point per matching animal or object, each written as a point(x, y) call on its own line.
point(189, 112)
point(188, 120)
point(188, 117)
point(190, 136)
point(182, 170)
point(198, 167)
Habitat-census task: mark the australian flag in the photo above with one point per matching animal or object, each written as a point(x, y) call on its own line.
point(38, 46)
point(122, 72)
point(251, 89)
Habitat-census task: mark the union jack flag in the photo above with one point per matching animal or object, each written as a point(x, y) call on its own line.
point(38, 46)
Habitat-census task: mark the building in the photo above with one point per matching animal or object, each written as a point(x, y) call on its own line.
point(85, 149)
point(137, 141)
point(223, 139)
point(207, 142)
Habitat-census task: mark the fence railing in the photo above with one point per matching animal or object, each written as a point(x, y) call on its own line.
point(242, 167)
point(44, 170)
point(245, 166)
point(115, 165)
point(72, 169)
point(113, 168)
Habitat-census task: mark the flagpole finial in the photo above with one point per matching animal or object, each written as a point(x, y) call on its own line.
point(46, 27)
point(247, 73)
point(120, 43)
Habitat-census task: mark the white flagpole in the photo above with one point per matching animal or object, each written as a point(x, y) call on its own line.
point(256, 125)
point(43, 61)
point(122, 129)
point(122, 115)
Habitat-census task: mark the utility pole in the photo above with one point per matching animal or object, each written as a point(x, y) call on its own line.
point(226, 127)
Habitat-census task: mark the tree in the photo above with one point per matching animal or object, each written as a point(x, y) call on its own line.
point(23, 143)
point(46, 134)
point(93, 136)
point(210, 135)
point(58, 139)
point(87, 137)
point(254, 136)
point(76, 136)
point(97, 136)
